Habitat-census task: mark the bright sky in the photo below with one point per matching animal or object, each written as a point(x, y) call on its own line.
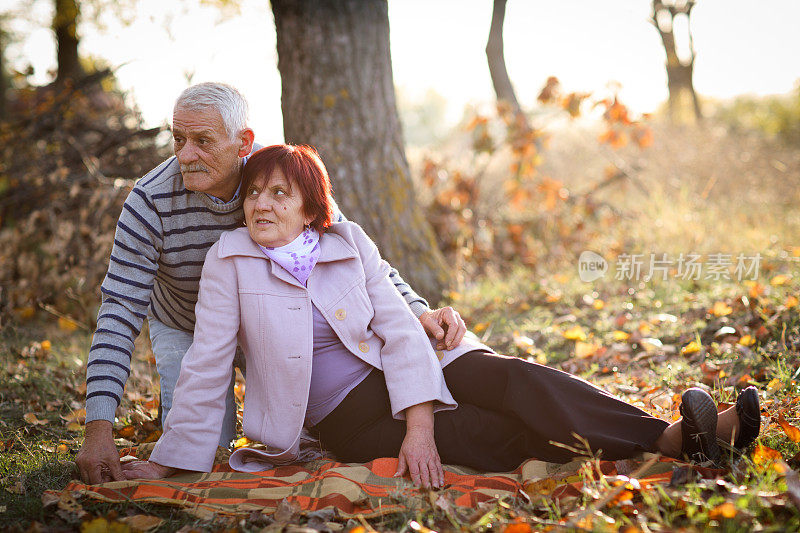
point(439, 44)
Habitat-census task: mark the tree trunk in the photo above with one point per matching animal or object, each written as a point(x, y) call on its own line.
point(65, 26)
point(496, 58)
point(338, 95)
point(3, 75)
point(679, 74)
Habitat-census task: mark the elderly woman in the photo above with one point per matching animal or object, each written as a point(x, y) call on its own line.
point(330, 346)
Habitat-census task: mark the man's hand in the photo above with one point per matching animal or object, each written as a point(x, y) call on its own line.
point(445, 325)
point(146, 470)
point(98, 460)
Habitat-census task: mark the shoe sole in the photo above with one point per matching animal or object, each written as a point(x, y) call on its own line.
point(698, 410)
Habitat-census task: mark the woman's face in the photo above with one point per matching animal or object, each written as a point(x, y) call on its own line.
point(273, 211)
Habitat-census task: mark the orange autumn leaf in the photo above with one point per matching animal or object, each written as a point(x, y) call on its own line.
point(643, 137)
point(721, 309)
point(126, 432)
point(519, 527)
point(575, 333)
point(723, 510)
point(756, 290)
point(763, 455)
point(66, 324)
point(747, 340)
point(791, 431)
point(779, 280)
point(692, 347)
point(585, 349)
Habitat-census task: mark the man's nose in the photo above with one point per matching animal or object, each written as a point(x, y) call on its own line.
point(187, 153)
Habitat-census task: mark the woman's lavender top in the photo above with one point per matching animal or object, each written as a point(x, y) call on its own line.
point(334, 371)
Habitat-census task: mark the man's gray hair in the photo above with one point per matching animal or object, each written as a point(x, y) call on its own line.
point(227, 100)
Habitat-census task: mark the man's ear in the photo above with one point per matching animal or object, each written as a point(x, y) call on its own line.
point(246, 138)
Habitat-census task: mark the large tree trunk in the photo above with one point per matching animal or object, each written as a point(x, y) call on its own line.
point(338, 95)
point(679, 73)
point(65, 26)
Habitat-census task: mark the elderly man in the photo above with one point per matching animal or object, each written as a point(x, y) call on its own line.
point(168, 222)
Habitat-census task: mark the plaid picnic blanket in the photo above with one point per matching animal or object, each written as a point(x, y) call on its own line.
point(353, 488)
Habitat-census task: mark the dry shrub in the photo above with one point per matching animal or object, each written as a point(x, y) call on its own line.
point(493, 208)
point(69, 158)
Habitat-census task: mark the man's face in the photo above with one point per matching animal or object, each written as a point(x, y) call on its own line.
point(208, 157)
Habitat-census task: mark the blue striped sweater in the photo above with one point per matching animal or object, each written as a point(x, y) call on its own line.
point(161, 240)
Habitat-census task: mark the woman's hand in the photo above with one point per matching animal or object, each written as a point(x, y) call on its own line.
point(146, 470)
point(418, 452)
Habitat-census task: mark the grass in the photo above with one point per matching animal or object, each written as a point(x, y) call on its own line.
point(532, 312)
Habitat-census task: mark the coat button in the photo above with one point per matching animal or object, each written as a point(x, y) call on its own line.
point(363, 346)
point(341, 314)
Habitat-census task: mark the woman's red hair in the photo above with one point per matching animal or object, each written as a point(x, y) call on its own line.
point(305, 172)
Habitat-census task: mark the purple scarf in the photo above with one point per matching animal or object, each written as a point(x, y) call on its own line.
point(299, 256)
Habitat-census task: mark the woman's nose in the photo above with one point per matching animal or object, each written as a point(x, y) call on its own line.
point(264, 202)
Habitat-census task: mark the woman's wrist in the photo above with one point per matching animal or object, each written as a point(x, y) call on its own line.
point(419, 417)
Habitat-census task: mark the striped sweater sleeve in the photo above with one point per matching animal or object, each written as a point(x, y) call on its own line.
point(416, 302)
point(125, 292)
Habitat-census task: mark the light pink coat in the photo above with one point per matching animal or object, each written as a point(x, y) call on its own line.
point(248, 300)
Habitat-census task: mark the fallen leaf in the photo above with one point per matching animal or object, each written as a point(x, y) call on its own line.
point(78, 415)
point(142, 522)
point(721, 309)
point(104, 525)
point(30, 418)
point(540, 487)
point(523, 343)
point(620, 335)
point(126, 432)
point(517, 527)
point(756, 290)
point(747, 340)
point(25, 313)
point(49, 498)
point(575, 333)
point(791, 431)
point(286, 511)
point(241, 442)
point(774, 385)
point(585, 349)
point(723, 510)
point(779, 280)
point(763, 455)
point(66, 324)
point(692, 347)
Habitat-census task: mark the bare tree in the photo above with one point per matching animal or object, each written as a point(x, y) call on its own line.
point(338, 95)
point(496, 58)
point(679, 73)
